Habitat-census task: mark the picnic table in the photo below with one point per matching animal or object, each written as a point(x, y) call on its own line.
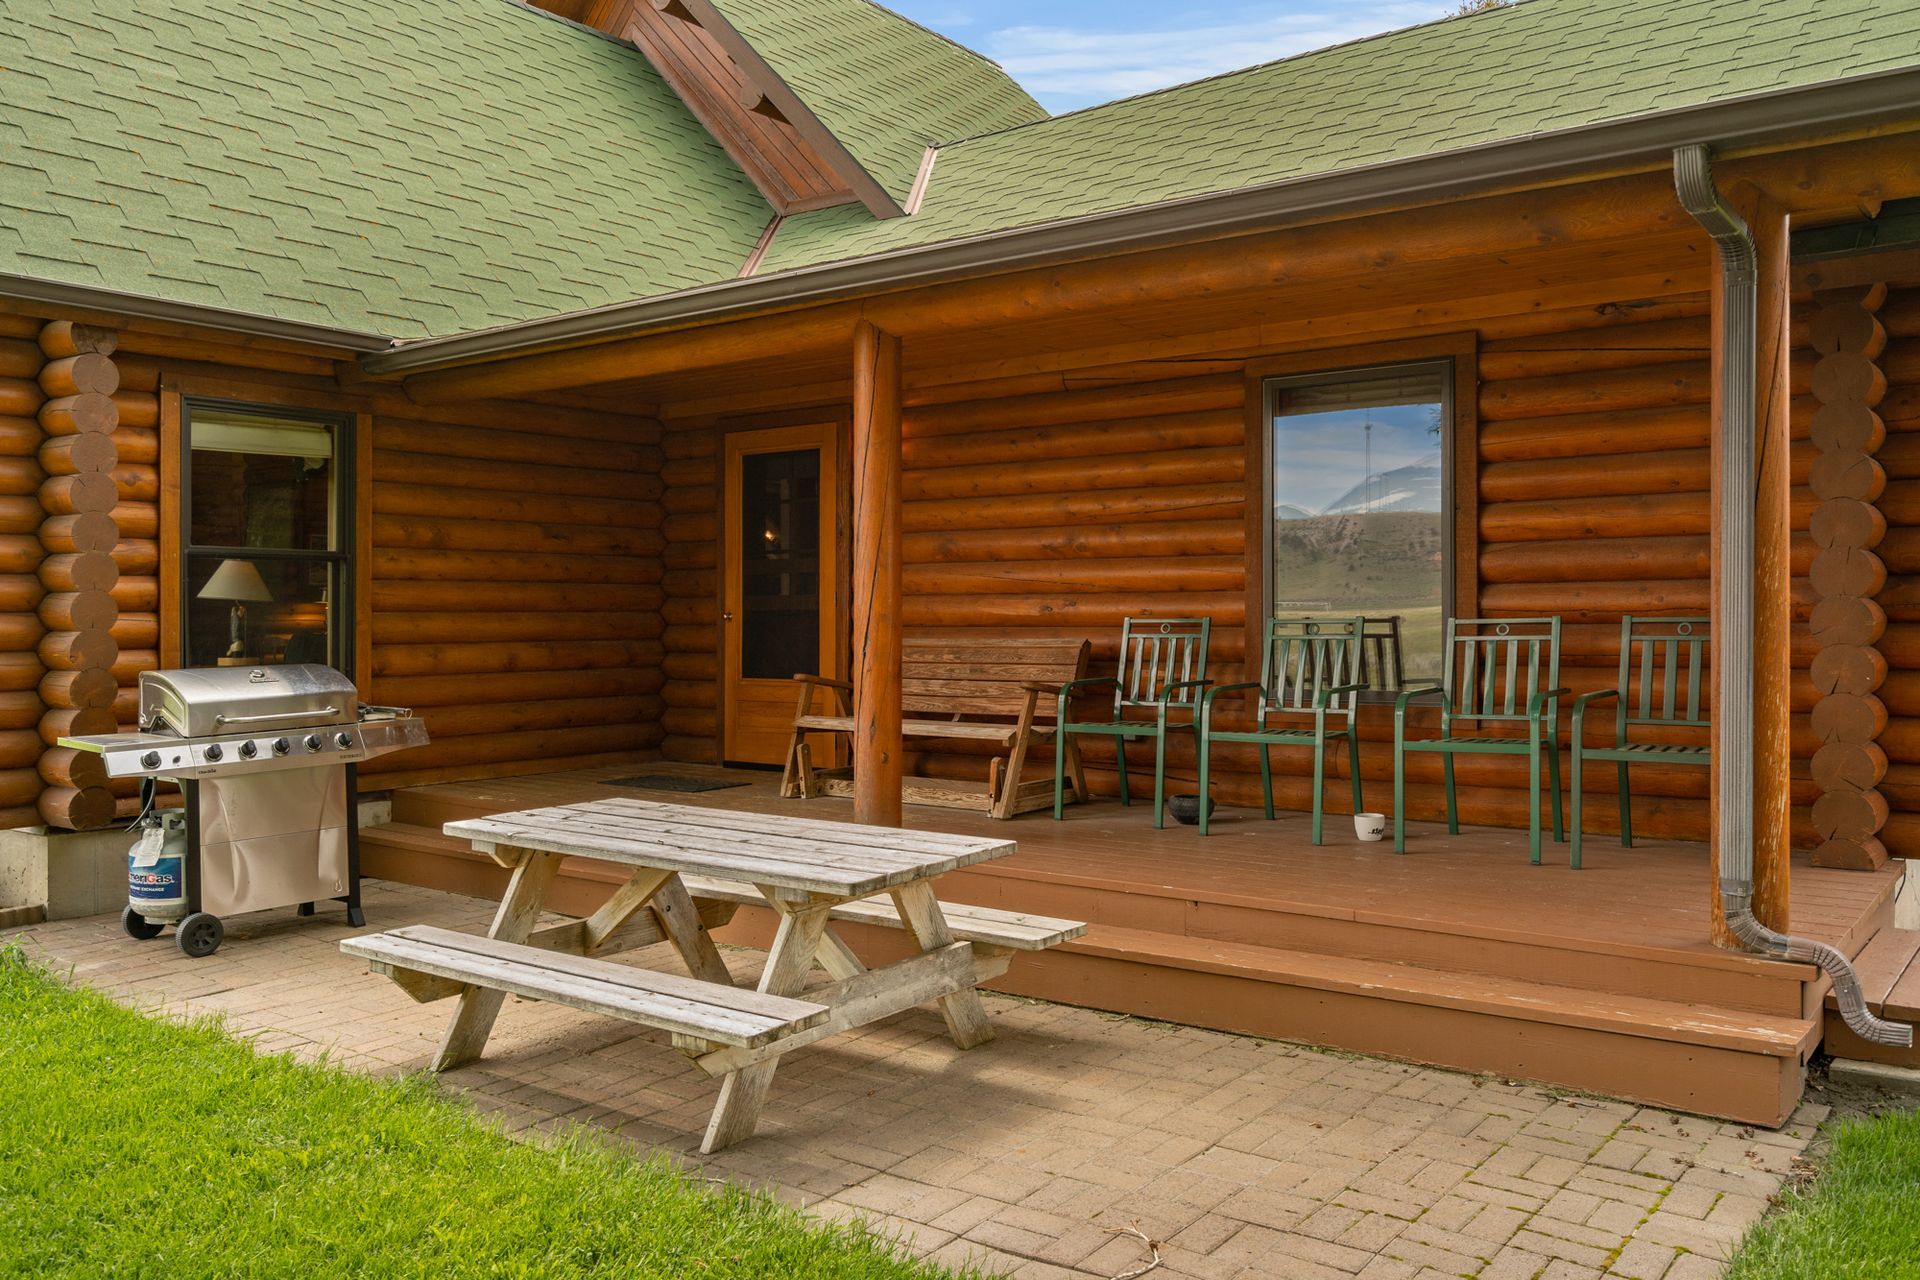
point(811, 873)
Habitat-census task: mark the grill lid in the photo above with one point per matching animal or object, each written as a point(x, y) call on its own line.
point(203, 702)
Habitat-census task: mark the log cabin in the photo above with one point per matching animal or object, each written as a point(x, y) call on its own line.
point(576, 374)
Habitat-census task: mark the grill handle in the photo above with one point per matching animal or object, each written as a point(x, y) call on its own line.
point(276, 715)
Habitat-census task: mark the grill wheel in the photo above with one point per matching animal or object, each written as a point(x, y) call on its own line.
point(200, 934)
point(138, 926)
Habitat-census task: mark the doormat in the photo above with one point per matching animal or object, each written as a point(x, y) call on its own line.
point(670, 782)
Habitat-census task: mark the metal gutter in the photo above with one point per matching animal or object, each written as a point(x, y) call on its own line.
point(1896, 227)
point(1644, 140)
point(88, 298)
point(1733, 623)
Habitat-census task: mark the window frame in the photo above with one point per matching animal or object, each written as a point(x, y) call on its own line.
point(1459, 460)
point(347, 647)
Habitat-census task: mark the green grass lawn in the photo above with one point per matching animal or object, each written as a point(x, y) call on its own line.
point(1859, 1220)
point(133, 1146)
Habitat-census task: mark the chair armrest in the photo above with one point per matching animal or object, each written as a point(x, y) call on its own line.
point(1580, 705)
point(1167, 692)
point(1041, 686)
point(1408, 695)
point(1538, 702)
point(1249, 686)
point(1333, 691)
point(823, 680)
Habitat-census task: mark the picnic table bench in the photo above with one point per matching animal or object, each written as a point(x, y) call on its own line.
point(685, 859)
point(999, 691)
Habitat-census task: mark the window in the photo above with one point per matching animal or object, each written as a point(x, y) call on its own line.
point(267, 536)
point(1360, 489)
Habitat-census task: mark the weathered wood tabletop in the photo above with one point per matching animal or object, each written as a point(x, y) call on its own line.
point(803, 869)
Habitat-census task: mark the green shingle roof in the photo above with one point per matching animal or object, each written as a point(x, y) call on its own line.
point(885, 86)
point(439, 166)
point(426, 167)
point(1534, 67)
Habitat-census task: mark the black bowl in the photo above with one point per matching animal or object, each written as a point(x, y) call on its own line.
point(1186, 809)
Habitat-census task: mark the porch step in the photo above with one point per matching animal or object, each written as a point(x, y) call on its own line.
point(1743, 1065)
point(1889, 970)
point(1409, 936)
point(1740, 1065)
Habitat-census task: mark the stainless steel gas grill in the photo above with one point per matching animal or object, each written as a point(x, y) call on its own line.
point(265, 758)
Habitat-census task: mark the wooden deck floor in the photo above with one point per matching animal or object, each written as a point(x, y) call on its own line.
point(1654, 895)
point(1459, 952)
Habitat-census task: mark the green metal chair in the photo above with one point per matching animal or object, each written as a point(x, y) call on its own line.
point(1667, 655)
point(1382, 666)
point(1163, 668)
point(1310, 668)
point(1499, 672)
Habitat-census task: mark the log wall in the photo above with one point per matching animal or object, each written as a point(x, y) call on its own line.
point(690, 591)
point(21, 668)
point(80, 493)
point(516, 586)
point(514, 560)
point(1898, 455)
point(1848, 671)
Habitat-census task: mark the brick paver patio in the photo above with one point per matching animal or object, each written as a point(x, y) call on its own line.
point(1246, 1158)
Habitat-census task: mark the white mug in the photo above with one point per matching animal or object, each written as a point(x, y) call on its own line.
point(1370, 826)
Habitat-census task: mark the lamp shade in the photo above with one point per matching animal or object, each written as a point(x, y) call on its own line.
point(236, 580)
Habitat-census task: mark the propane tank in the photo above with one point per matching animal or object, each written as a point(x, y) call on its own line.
point(156, 866)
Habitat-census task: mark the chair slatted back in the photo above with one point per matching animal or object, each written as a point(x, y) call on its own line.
point(1496, 665)
point(1662, 664)
point(1304, 657)
point(1382, 665)
point(984, 677)
point(1157, 652)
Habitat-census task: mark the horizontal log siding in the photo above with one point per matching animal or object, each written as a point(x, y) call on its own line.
point(516, 587)
point(690, 585)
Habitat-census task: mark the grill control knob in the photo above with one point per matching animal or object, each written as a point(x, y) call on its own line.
point(248, 750)
point(313, 742)
point(214, 752)
point(345, 740)
point(151, 760)
point(281, 746)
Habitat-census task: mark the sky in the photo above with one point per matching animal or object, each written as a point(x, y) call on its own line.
point(1075, 53)
point(1318, 458)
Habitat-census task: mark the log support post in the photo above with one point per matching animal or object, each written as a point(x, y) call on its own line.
point(1771, 485)
point(877, 751)
point(78, 535)
point(1847, 526)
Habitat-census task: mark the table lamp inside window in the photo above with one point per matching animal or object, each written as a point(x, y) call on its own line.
point(240, 582)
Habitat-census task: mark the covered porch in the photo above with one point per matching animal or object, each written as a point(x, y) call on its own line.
point(1459, 953)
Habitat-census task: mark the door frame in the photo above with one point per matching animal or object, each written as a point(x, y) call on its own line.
point(821, 432)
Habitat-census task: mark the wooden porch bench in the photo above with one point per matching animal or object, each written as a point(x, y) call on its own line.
point(999, 691)
point(995, 934)
point(420, 956)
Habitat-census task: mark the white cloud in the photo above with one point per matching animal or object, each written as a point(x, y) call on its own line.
point(1076, 66)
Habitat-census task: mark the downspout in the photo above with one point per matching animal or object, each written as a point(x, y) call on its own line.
point(1733, 658)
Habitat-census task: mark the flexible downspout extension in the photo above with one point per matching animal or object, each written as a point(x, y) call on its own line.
point(1733, 659)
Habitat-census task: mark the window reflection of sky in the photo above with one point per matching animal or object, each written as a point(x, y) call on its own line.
point(1320, 457)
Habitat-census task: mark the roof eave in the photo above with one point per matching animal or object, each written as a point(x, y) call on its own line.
point(81, 297)
point(1772, 117)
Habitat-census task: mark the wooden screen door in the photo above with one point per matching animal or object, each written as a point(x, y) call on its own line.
point(780, 606)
